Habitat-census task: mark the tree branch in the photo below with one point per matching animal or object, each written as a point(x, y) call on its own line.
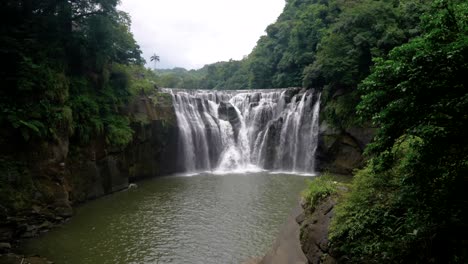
point(88, 14)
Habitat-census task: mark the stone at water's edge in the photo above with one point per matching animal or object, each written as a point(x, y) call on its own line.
point(17, 259)
point(340, 151)
point(314, 231)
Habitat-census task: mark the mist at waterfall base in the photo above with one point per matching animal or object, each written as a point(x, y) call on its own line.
point(242, 131)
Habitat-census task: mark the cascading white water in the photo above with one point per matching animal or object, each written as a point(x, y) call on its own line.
point(224, 131)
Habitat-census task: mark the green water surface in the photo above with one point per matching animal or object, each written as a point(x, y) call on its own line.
point(201, 219)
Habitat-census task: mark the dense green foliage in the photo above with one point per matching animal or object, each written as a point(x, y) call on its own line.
point(409, 203)
point(63, 70)
point(68, 69)
point(329, 45)
point(318, 189)
point(219, 76)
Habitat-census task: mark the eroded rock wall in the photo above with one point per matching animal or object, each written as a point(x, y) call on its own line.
point(340, 150)
point(60, 174)
point(98, 169)
point(315, 223)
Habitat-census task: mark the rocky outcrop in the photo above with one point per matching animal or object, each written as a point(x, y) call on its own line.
point(154, 148)
point(98, 169)
point(273, 136)
point(340, 150)
point(227, 112)
point(314, 231)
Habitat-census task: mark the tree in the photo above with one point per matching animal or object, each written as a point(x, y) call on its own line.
point(409, 204)
point(155, 58)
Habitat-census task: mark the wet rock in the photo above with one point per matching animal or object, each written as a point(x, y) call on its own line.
point(5, 247)
point(6, 232)
point(340, 151)
point(255, 98)
point(48, 214)
point(112, 170)
point(28, 231)
point(19, 259)
point(290, 93)
point(314, 231)
point(273, 136)
point(300, 218)
point(64, 211)
point(227, 112)
point(36, 209)
point(45, 225)
point(362, 136)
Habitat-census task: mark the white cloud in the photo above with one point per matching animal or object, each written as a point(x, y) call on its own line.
point(190, 34)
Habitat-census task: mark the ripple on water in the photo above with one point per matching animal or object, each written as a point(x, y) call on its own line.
point(203, 219)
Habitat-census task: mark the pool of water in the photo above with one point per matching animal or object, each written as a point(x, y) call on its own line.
point(201, 219)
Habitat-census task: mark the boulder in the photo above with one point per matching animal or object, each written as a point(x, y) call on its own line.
point(228, 112)
point(273, 136)
point(290, 93)
point(64, 210)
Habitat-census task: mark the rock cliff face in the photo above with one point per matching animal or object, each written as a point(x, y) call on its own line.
point(61, 174)
point(342, 137)
point(314, 231)
point(340, 151)
point(97, 170)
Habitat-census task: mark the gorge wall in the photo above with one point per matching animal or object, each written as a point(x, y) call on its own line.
point(58, 175)
point(99, 169)
point(342, 137)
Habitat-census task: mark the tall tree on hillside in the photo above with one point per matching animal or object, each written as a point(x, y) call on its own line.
point(155, 58)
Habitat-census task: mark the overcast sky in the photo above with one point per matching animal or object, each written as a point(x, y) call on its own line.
point(192, 33)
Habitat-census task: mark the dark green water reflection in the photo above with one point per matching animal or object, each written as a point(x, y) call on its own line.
point(201, 219)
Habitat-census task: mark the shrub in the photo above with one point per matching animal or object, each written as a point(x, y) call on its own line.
point(318, 189)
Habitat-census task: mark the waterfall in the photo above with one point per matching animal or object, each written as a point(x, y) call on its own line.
point(247, 130)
